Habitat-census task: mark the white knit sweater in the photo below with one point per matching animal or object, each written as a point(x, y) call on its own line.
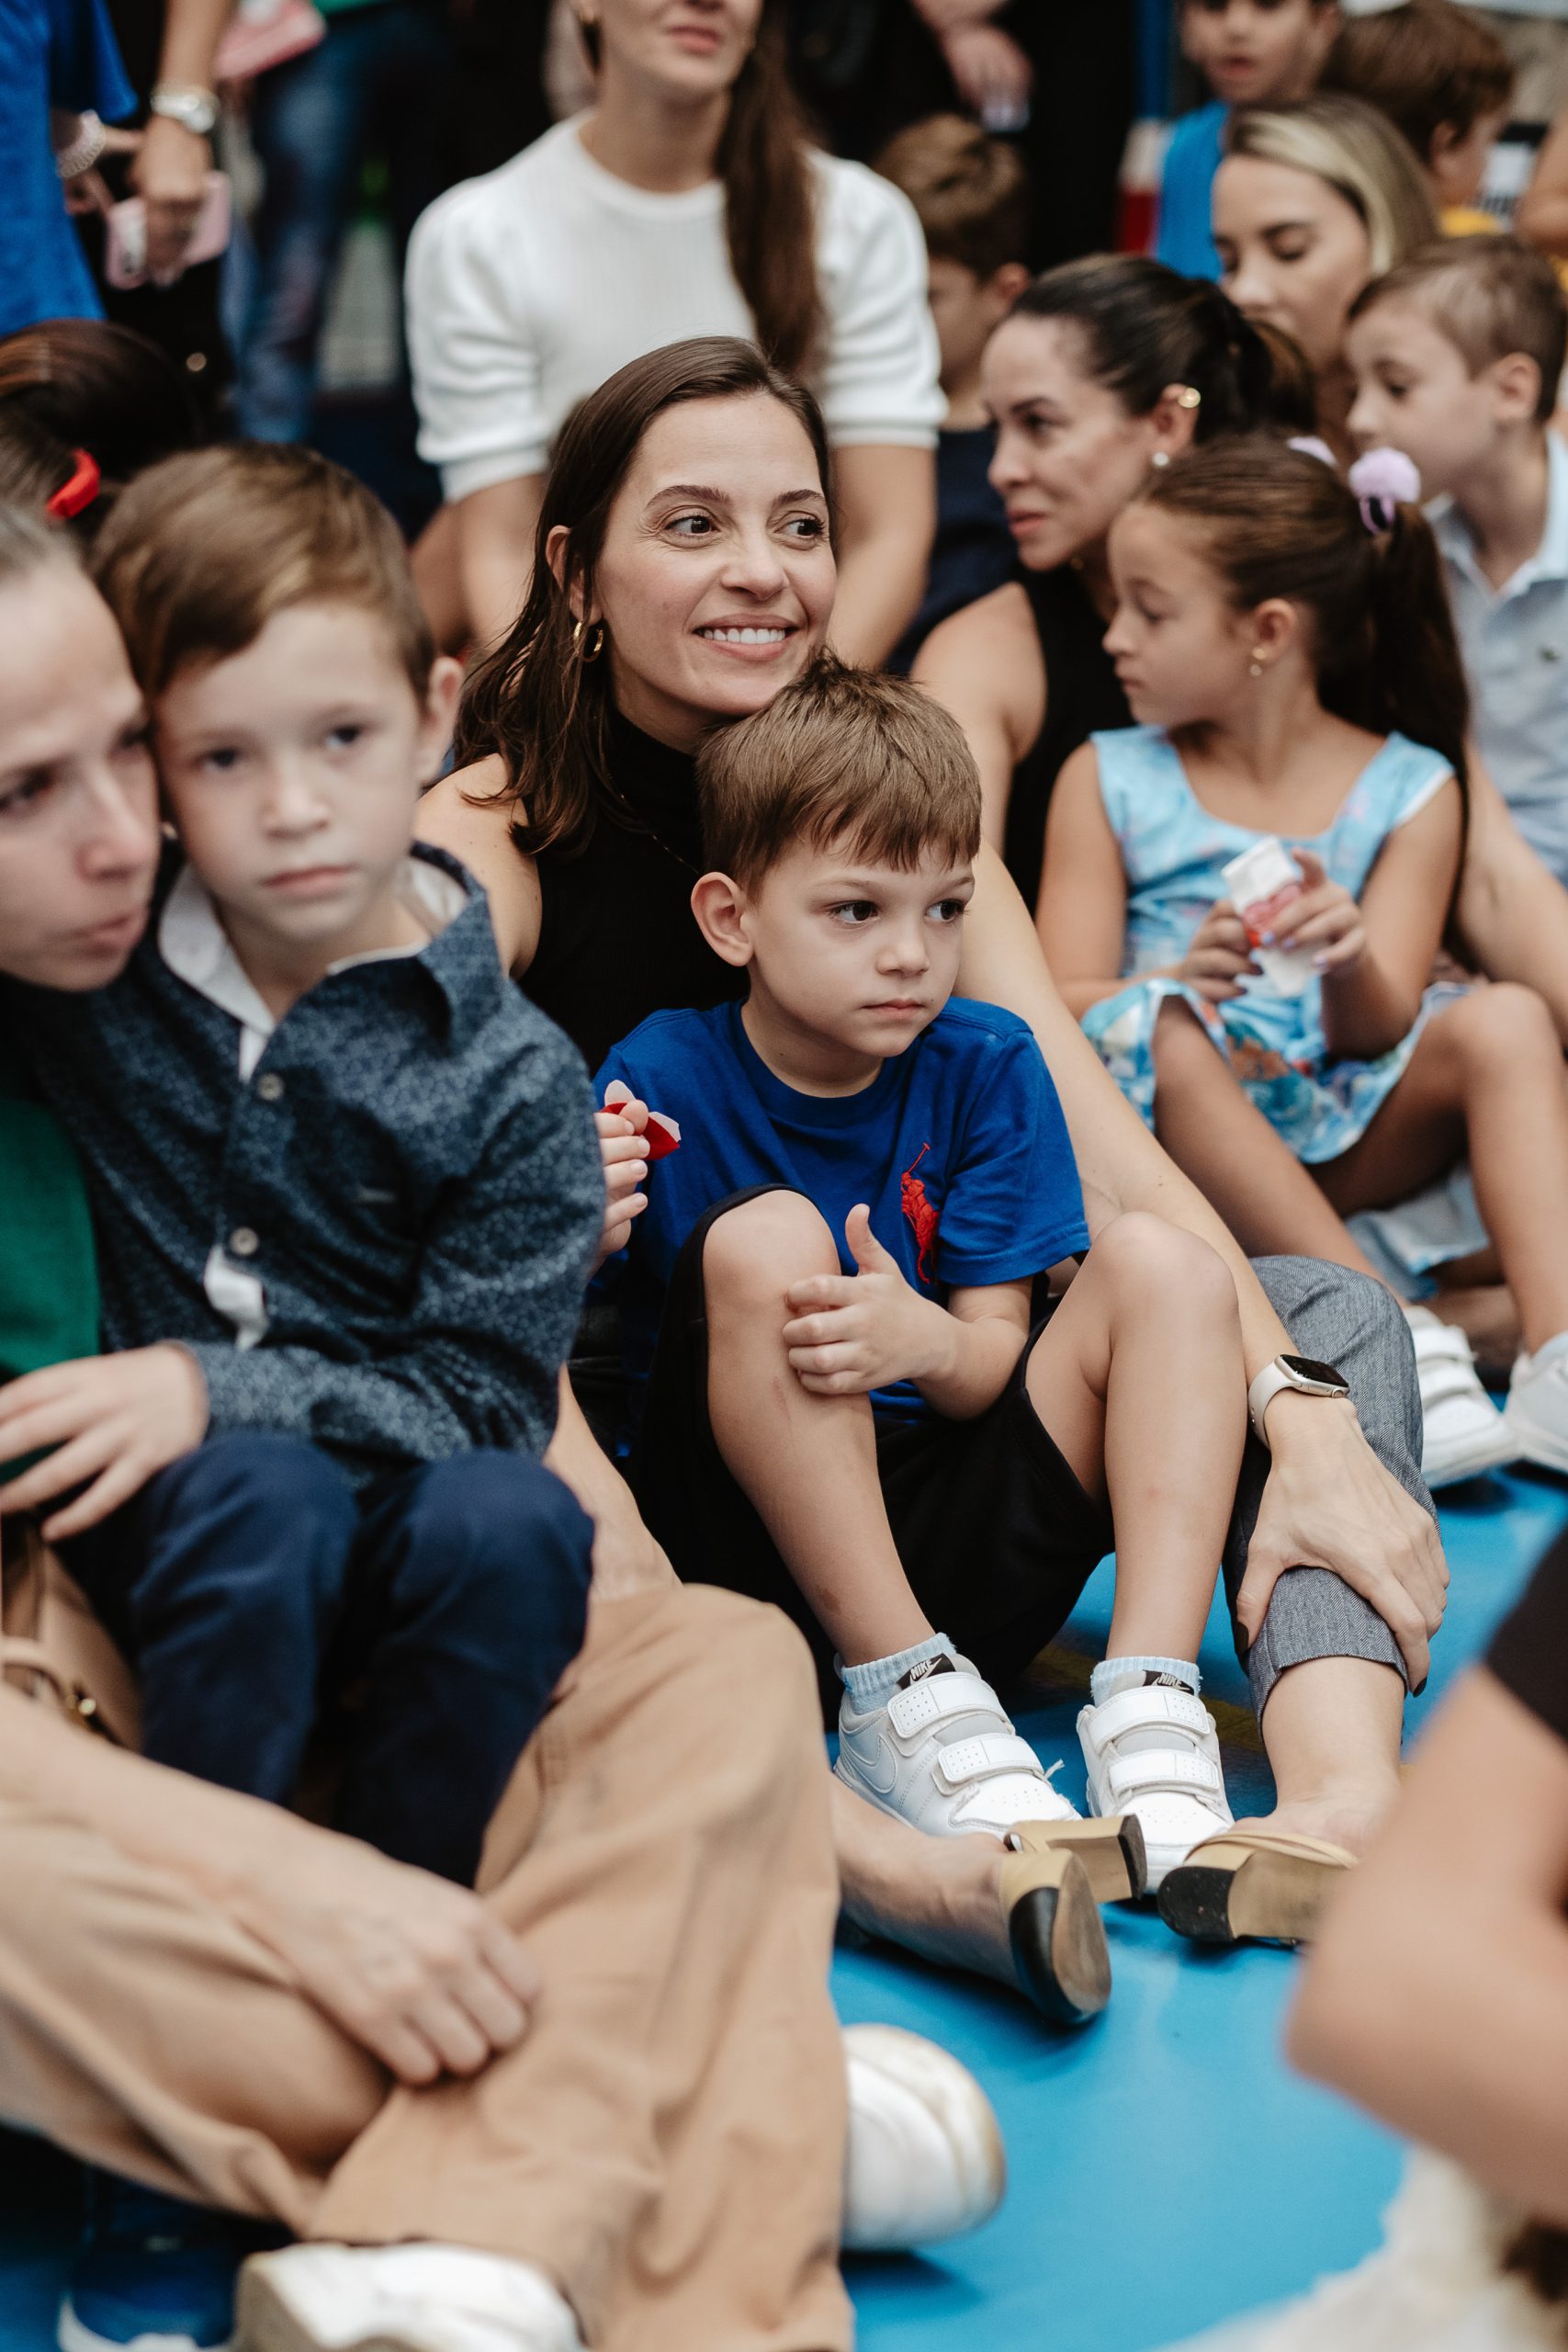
point(527, 287)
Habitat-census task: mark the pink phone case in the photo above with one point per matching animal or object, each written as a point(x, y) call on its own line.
point(125, 246)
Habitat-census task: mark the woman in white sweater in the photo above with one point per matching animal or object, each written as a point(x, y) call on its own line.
point(686, 201)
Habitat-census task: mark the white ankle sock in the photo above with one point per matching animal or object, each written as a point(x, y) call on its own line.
point(1115, 1674)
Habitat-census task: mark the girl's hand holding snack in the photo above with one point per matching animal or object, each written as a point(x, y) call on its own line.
point(1325, 920)
point(630, 1136)
point(1218, 957)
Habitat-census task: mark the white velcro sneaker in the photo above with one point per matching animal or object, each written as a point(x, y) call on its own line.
point(944, 1756)
point(1156, 1753)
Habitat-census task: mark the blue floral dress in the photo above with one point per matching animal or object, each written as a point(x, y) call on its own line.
point(1172, 853)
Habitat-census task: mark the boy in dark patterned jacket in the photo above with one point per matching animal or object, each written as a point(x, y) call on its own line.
point(345, 1188)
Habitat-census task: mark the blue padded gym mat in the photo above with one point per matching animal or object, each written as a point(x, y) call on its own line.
point(1166, 2170)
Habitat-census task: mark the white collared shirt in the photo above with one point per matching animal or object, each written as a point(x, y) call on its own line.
point(198, 950)
point(1515, 643)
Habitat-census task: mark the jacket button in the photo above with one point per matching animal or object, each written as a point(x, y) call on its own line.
point(243, 1242)
point(269, 1086)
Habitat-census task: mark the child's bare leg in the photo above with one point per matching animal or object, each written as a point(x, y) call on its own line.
point(1486, 1071)
point(1139, 1378)
point(806, 1464)
point(1220, 1139)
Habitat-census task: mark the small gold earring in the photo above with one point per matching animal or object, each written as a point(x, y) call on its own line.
point(588, 650)
point(1255, 667)
point(1188, 397)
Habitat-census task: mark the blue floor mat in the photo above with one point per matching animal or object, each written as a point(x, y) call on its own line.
point(1166, 2170)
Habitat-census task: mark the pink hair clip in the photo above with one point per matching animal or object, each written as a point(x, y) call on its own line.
point(1382, 481)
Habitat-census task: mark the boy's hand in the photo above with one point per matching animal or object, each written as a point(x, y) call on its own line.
point(1325, 918)
point(623, 1151)
point(114, 1421)
point(1218, 954)
point(851, 1333)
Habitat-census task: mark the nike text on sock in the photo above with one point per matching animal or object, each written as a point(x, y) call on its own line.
point(1113, 1675)
point(873, 1683)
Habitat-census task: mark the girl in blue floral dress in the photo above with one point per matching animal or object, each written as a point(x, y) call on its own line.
point(1288, 647)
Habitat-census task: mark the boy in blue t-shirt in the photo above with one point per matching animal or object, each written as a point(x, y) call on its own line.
point(828, 1290)
point(1251, 53)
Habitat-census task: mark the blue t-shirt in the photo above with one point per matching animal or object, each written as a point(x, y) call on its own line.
point(1184, 238)
point(958, 1147)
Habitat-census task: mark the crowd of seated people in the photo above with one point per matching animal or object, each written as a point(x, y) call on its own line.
point(924, 940)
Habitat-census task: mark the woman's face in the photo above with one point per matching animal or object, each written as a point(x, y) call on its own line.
point(678, 49)
point(1068, 454)
point(78, 802)
point(715, 579)
point(1292, 250)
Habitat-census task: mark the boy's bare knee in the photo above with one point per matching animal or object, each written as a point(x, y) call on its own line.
point(763, 1245)
point(1144, 1253)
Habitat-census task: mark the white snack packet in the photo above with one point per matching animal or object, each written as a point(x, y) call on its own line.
point(1264, 882)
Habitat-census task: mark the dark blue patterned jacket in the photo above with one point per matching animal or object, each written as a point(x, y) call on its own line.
point(410, 1169)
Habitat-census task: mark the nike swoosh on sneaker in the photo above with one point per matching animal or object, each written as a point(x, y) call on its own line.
point(879, 1772)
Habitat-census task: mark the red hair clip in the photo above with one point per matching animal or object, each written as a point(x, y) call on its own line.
point(80, 490)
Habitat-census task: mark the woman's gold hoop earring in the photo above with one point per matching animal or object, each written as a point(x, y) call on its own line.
point(590, 648)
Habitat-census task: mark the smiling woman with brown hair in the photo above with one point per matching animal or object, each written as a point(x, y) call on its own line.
point(688, 201)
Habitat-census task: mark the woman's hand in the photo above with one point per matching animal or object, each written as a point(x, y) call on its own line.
point(1219, 956)
point(417, 1971)
point(993, 75)
point(1329, 1503)
point(624, 1154)
point(170, 176)
point(1325, 918)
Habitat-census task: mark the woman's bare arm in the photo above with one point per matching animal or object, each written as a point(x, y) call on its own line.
point(1082, 915)
point(1513, 912)
point(478, 832)
point(887, 501)
point(1542, 215)
point(495, 552)
point(985, 666)
point(1439, 1994)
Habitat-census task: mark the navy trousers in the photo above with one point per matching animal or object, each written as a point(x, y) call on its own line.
point(254, 1588)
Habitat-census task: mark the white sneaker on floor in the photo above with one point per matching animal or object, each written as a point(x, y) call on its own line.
point(925, 2159)
point(1154, 1752)
point(942, 1754)
point(398, 2298)
point(1537, 1410)
point(1463, 1433)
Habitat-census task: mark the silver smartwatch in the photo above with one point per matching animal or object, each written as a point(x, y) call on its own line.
point(1300, 1373)
point(194, 108)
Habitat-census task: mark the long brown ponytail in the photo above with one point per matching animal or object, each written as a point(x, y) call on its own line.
point(542, 698)
point(765, 162)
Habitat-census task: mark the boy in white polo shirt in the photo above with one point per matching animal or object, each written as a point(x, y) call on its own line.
point(1457, 354)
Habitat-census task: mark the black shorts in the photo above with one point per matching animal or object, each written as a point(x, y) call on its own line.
point(997, 1536)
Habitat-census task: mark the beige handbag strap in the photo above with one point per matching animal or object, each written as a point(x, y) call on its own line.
point(27, 1664)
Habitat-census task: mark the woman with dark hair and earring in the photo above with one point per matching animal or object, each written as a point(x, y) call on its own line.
point(685, 531)
point(687, 202)
point(1101, 368)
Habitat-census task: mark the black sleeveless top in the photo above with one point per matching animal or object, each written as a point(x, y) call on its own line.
point(617, 938)
point(1082, 696)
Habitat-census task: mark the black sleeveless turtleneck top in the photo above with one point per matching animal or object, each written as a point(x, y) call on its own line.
point(617, 938)
point(1082, 696)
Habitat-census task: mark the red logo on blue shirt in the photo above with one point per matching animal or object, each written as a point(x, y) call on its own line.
point(920, 1212)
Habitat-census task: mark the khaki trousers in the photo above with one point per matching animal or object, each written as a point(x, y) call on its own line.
point(667, 2140)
